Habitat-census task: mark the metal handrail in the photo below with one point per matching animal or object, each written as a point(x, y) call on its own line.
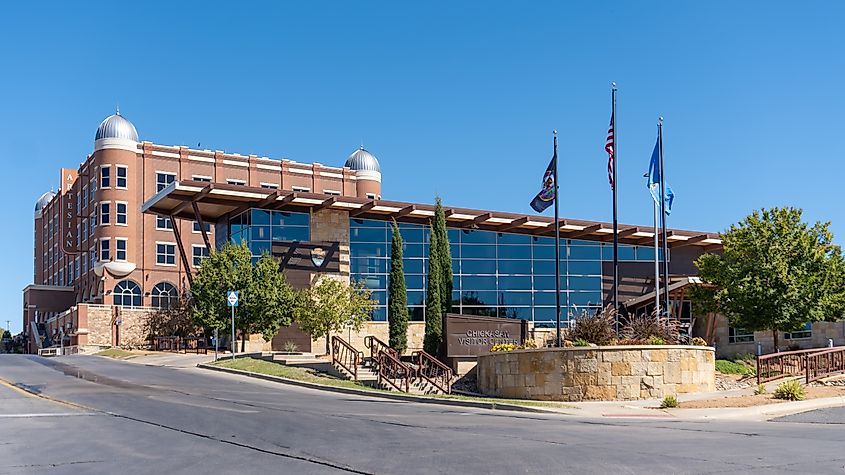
point(346, 356)
point(391, 368)
point(433, 370)
point(375, 345)
point(804, 363)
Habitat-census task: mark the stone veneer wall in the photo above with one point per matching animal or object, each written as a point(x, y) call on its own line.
point(597, 373)
point(416, 332)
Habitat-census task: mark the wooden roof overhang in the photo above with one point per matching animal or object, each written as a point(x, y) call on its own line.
point(213, 201)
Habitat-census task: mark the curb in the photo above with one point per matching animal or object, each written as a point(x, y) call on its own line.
point(381, 394)
point(764, 412)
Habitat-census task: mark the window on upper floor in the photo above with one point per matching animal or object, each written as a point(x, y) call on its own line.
point(739, 335)
point(163, 179)
point(199, 252)
point(105, 251)
point(331, 192)
point(120, 249)
point(233, 181)
point(92, 223)
point(201, 178)
point(196, 227)
point(105, 213)
point(270, 186)
point(163, 223)
point(120, 213)
point(105, 176)
point(303, 189)
point(166, 253)
point(121, 175)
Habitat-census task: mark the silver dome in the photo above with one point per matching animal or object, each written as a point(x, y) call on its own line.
point(117, 127)
point(363, 160)
point(44, 201)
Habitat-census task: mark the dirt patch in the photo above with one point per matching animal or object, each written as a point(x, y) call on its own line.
point(728, 382)
point(813, 392)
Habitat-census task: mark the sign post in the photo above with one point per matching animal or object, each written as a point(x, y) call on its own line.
point(216, 343)
point(232, 302)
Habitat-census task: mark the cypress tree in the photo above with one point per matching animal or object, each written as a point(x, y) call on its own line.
point(397, 310)
point(444, 253)
point(433, 299)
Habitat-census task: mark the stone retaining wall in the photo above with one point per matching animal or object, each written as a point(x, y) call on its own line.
point(597, 373)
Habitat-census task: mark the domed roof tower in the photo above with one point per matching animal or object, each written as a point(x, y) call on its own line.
point(116, 132)
point(367, 172)
point(43, 201)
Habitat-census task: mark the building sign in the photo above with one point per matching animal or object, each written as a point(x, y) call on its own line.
point(471, 335)
point(309, 256)
point(69, 212)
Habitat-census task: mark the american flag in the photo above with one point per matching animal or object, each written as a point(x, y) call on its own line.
point(608, 146)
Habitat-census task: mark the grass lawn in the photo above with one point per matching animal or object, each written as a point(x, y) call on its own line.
point(737, 366)
point(310, 376)
point(116, 353)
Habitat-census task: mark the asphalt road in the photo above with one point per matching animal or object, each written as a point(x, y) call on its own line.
point(126, 418)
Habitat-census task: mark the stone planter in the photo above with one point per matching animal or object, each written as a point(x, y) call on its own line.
point(601, 373)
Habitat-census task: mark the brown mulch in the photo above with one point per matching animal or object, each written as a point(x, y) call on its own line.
point(813, 392)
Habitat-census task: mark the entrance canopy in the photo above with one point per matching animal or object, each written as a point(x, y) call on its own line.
point(210, 202)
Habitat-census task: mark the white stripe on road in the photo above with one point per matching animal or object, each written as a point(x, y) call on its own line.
point(48, 414)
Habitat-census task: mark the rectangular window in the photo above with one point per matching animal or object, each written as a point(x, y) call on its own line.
point(806, 332)
point(78, 203)
point(371, 196)
point(270, 186)
point(76, 273)
point(196, 228)
point(739, 335)
point(84, 261)
point(92, 223)
point(233, 181)
point(163, 223)
point(105, 177)
point(204, 178)
point(122, 171)
point(120, 249)
point(331, 192)
point(105, 216)
point(85, 195)
point(92, 185)
point(93, 255)
point(84, 229)
point(165, 254)
point(78, 236)
point(163, 179)
point(120, 212)
point(199, 253)
point(105, 253)
point(303, 189)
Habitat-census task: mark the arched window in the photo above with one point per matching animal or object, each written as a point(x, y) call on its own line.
point(127, 294)
point(164, 295)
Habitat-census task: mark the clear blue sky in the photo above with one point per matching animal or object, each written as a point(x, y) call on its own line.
point(454, 99)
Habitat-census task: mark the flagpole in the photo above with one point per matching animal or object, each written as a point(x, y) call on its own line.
point(615, 221)
point(656, 263)
point(557, 249)
point(666, 302)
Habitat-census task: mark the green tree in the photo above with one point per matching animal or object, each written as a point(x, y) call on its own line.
point(330, 305)
point(266, 301)
point(433, 302)
point(444, 253)
point(775, 273)
point(175, 319)
point(397, 309)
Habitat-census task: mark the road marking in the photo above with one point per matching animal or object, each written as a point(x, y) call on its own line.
point(47, 414)
point(204, 406)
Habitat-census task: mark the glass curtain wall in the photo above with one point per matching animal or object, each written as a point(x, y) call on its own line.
point(495, 274)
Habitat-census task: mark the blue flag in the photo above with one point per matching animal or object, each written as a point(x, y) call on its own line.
point(653, 182)
point(546, 196)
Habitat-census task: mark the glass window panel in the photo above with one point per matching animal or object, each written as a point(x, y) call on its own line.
point(368, 266)
point(626, 253)
point(548, 298)
point(521, 313)
point(482, 311)
point(478, 282)
point(259, 248)
point(380, 296)
point(543, 241)
point(548, 282)
point(380, 314)
point(416, 314)
point(413, 266)
point(515, 252)
point(416, 297)
point(454, 250)
point(477, 237)
point(548, 268)
point(368, 250)
point(478, 252)
point(581, 242)
point(291, 233)
point(414, 282)
point(487, 266)
point(260, 216)
point(585, 298)
point(516, 267)
point(261, 233)
point(368, 223)
point(515, 298)
point(368, 235)
point(478, 298)
point(545, 252)
point(372, 281)
point(454, 235)
point(411, 233)
point(645, 253)
point(281, 218)
point(507, 238)
point(585, 283)
point(585, 252)
point(584, 267)
point(413, 250)
point(515, 283)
